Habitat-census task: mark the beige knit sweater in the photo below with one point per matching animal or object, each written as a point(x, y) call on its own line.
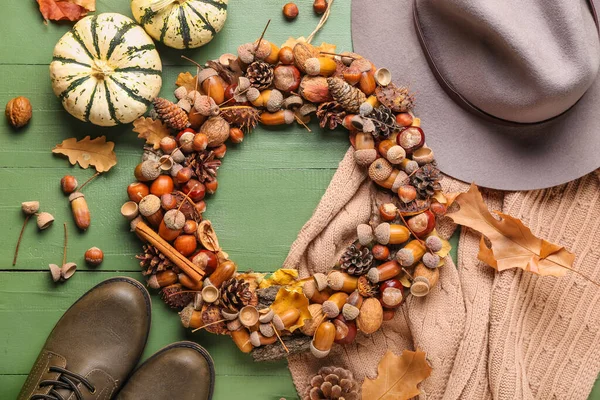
point(508, 335)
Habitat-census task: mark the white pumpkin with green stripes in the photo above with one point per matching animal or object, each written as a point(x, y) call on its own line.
point(106, 70)
point(182, 24)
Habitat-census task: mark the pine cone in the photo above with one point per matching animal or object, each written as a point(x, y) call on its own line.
point(260, 74)
point(175, 296)
point(171, 114)
point(330, 113)
point(245, 118)
point(153, 261)
point(332, 383)
point(385, 122)
point(366, 288)
point(346, 95)
point(426, 180)
point(204, 165)
point(356, 260)
point(398, 99)
point(235, 294)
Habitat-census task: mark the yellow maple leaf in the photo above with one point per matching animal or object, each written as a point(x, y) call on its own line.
point(153, 130)
point(397, 376)
point(283, 276)
point(513, 244)
point(97, 152)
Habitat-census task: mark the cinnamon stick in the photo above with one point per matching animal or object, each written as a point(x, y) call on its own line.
point(189, 268)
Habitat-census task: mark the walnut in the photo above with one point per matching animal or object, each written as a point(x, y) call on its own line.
point(18, 111)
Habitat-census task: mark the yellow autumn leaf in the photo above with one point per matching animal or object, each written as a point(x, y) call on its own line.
point(291, 42)
point(153, 130)
point(186, 80)
point(292, 297)
point(326, 48)
point(85, 152)
point(283, 276)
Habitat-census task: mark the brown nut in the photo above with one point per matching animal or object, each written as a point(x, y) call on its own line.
point(323, 339)
point(18, 111)
point(290, 11)
point(94, 256)
point(371, 316)
point(68, 184)
point(81, 212)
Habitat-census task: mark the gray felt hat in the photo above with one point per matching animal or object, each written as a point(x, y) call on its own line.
point(507, 90)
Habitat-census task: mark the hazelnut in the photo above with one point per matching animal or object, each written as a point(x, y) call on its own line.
point(320, 6)
point(290, 11)
point(286, 55)
point(68, 184)
point(236, 135)
point(18, 111)
point(94, 256)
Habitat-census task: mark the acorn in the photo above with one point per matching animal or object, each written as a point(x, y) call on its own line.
point(380, 169)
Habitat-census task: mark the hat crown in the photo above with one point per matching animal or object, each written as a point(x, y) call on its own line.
point(518, 60)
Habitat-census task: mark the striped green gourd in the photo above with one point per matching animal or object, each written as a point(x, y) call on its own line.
point(106, 70)
point(181, 24)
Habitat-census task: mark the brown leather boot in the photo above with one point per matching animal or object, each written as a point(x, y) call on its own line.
point(182, 371)
point(94, 346)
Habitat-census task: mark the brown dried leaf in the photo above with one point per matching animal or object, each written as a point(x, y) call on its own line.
point(153, 130)
point(97, 152)
point(397, 376)
point(71, 10)
point(186, 80)
point(513, 244)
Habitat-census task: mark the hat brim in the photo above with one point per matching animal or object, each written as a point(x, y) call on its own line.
point(466, 146)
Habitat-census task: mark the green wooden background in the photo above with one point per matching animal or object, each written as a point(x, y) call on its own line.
point(269, 186)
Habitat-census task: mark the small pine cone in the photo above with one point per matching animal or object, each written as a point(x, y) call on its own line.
point(366, 288)
point(356, 260)
point(153, 261)
point(245, 118)
point(330, 114)
point(171, 114)
point(332, 383)
point(385, 122)
point(175, 296)
point(346, 95)
point(204, 165)
point(260, 74)
point(398, 99)
point(235, 294)
point(426, 180)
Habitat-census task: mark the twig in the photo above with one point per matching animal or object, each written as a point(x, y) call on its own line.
point(338, 54)
point(65, 244)
point(302, 123)
point(262, 36)
point(80, 188)
point(233, 98)
point(408, 273)
point(187, 196)
point(281, 340)
point(411, 231)
point(20, 237)
point(193, 62)
point(321, 23)
point(207, 325)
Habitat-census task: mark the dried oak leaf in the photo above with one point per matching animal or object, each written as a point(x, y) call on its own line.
point(288, 297)
point(97, 152)
point(513, 244)
point(186, 80)
point(71, 10)
point(397, 376)
point(153, 130)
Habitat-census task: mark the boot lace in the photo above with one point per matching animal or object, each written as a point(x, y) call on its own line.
point(67, 380)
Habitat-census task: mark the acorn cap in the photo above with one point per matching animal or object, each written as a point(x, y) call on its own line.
point(249, 316)
point(423, 156)
point(150, 170)
point(255, 339)
point(198, 302)
point(243, 84)
point(149, 205)
point(365, 109)
point(365, 234)
point(420, 286)
point(44, 220)
point(252, 94)
point(400, 180)
point(396, 154)
point(383, 76)
point(229, 315)
point(431, 260)
point(368, 126)
point(134, 222)
point(434, 243)
point(288, 117)
point(68, 270)
point(185, 105)
point(279, 325)
point(293, 101)
point(246, 52)
point(335, 280)
point(210, 293)
point(373, 275)
point(264, 49)
point(130, 210)
point(178, 157)
point(275, 101)
point(330, 309)
point(30, 207)
point(174, 219)
point(350, 312)
point(205, 74)
point(312, 66)
point(411, 167)
point(405, 257)
point(186, 315)
point(175, 169)
point(364, 157)
point(234, 325)
point(266, 330)
point(382, 233)
point(266, 317)
point(75, 195)
point(380, 169)
point(309, 288)
point(153, 282)
point(204, 105)
point(55, 272)
point(180, 93)
point(318, 353)
point(320, 280)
